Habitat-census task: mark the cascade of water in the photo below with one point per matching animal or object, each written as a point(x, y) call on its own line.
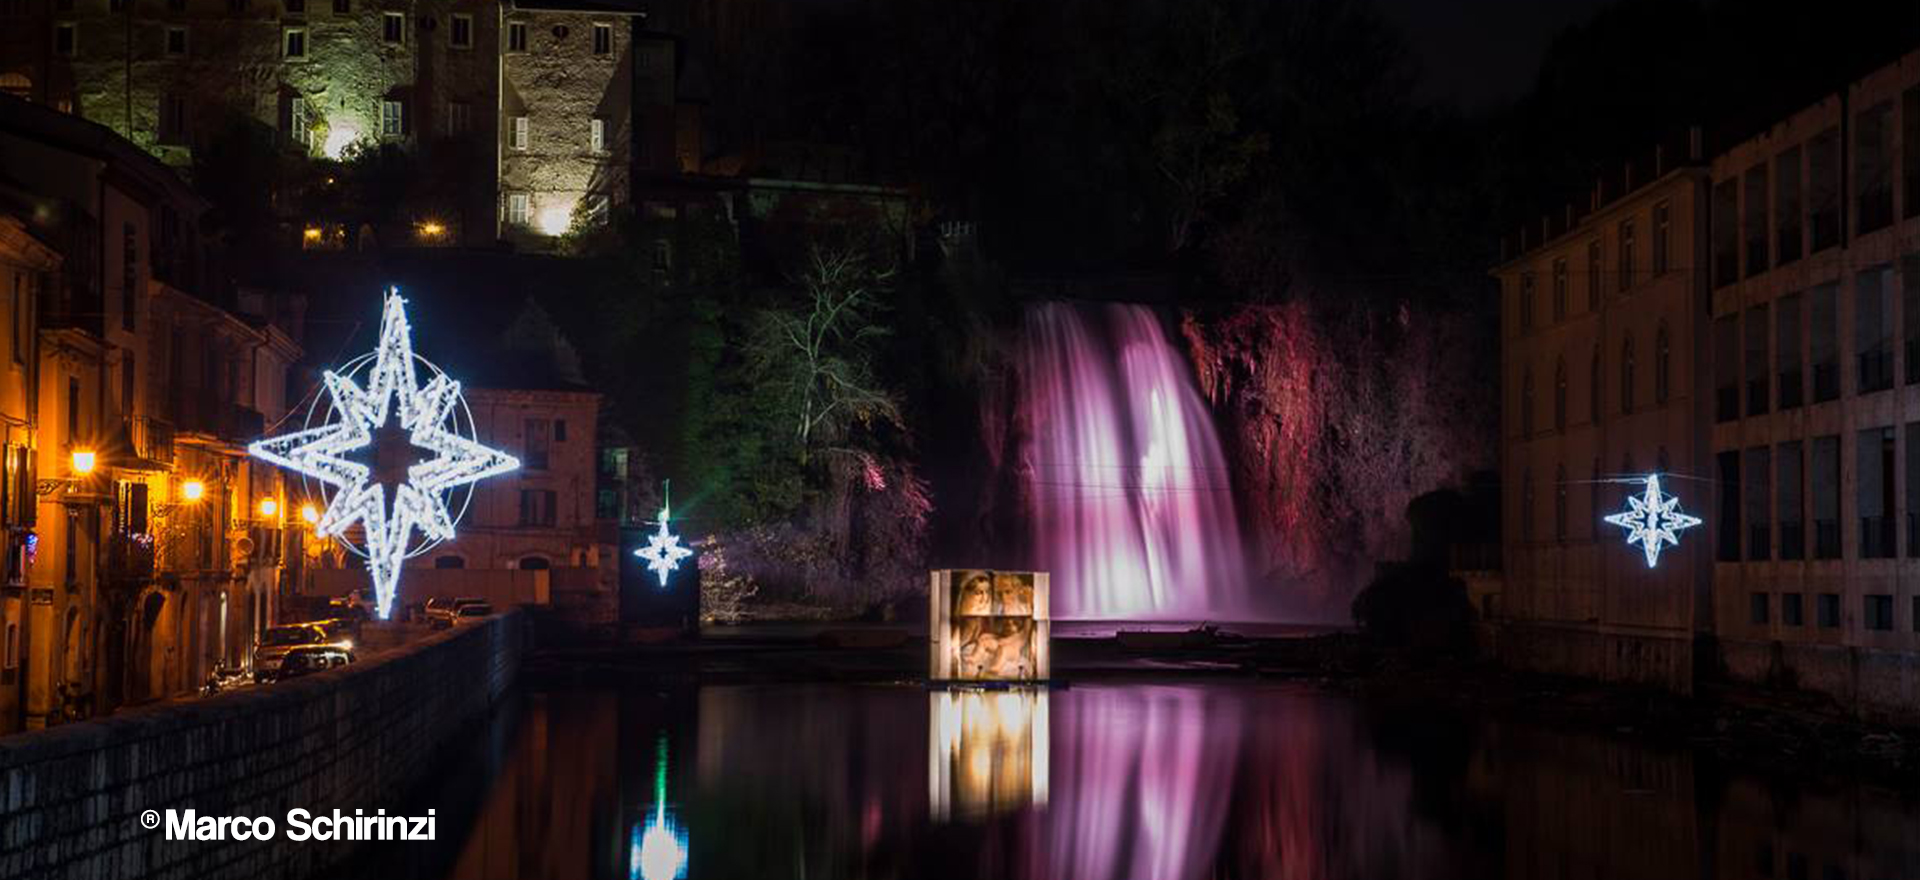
point(1132, 509)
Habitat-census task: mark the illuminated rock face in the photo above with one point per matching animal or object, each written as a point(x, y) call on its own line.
point(1128, 493)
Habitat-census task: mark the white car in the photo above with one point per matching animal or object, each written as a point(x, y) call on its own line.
point(442, 613)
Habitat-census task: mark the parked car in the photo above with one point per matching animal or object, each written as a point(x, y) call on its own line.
point(358, 604)
point(278, 641)
point(342, 632)
point(472, 611)
point(441, 613)
point(308, 659)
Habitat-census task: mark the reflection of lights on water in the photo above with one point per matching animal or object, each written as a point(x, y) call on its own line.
point(659, 852)
point(989, 751)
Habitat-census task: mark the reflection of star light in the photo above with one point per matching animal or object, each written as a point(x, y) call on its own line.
point(663, 551)
point(1653, 520)
point(659, 852)
point(426, 414)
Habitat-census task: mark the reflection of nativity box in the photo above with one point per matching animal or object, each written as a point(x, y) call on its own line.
point(989, 625)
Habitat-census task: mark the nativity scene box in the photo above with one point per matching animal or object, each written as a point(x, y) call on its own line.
point(989, 625)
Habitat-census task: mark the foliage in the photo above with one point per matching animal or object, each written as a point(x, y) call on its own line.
point(819, 351)
point(1417, 606)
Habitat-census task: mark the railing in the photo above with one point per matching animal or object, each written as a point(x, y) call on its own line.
point(129, 557)
point(152, 438)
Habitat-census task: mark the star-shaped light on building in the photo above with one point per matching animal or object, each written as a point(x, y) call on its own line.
point(663, 551)
point(426, 414)
point(1653, 520)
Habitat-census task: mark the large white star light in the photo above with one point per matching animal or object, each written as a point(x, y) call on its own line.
point(1653, 520)
point(663, 551)
point(435, 418)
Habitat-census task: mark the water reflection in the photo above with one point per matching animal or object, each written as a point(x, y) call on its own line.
point(988, 752)
point(1126, 781)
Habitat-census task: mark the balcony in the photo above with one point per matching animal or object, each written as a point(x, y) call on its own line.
point(218, 419)
point(129, 558)
point(151, 439)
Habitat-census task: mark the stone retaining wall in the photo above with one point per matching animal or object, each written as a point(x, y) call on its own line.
point(71, 797)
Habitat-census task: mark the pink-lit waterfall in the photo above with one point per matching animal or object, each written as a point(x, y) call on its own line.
point(1131, 507)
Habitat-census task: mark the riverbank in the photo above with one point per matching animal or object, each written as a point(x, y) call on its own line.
point(1787, 732)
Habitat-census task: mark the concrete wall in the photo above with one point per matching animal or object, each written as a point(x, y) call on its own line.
point(1657, 657)
point(1873, 683)
point(358, 737)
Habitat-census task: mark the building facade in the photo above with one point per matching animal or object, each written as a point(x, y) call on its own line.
point(533, 96)
point(1755, 338)
point(1600, 320)
point(1816, 421)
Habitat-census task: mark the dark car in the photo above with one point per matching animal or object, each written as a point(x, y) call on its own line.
point(308, 659)
point(278, 641)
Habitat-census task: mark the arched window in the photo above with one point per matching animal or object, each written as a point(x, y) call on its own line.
point(1560, 503)
point(1526, 404)
point(1560, 394)
point(534, 563)
point(1662, 365)
point(449, 561)
point(1594, 394)
point(1626, 374)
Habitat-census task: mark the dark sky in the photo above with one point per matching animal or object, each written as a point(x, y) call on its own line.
point(1479, 52)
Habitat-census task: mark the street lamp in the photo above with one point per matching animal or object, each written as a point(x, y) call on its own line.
point(193, 490)
point(82, 463)
point(310, 513)
point(269, 507)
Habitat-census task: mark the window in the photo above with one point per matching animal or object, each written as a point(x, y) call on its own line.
point(237, 7)
point(597, 135)
point(1626, 255)
point(1788, 495)
point(1825, 475)
point(1626, 374)
point(516, 36)
point(1759, 504)
point(1526, 404)
point(539, 443)
point(1825, 343)
point(129, 273)
point(459, 117)
point(1594, 387)
point(559, 430)
point(1910, 314)
point(1873, 335)
point(1726, 232)
point(1827, 610)
point(1526, 300)
point(393, 27)
point(1793, 611)
point(1873, 167)
point(392, 119)
point(1786, 206)
point(1727, 532)
point(1726, 368)
point(536, 507)
point(534, 563)
point(295, 43)
point(602, 39)
point(176, 41)
point(517, 211)
point(342, 7)
point(1662, 235)
point(63, 45)
point(1526, 507)
point(1823, 188)
point(1662, 364)
point(1913, 489)
point(299, 128)
point(1593, 275)
point(22, 317)
point(1786, 350)
point(1560, 504)
point(1916, 614)
point(663, 262)
point(449, 561)
point(460, 31)
point(173, 119)
point(517, 132)
point(1757, 607)
point(73, 411)
point(1560, 394)
point(1759, 378)
point(296, 7)
point(1878, 611)
point(1753, 219)
point(126, 382)
point(1910, 150)
point(13, 645)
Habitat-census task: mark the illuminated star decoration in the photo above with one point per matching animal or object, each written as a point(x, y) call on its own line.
point(1653, 520)
point(426, 414)
point(663, 551)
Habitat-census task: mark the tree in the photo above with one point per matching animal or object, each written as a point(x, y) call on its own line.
point(821, 350)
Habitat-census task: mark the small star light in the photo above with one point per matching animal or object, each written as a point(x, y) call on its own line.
point(431, 415)
point(663, 551)
point(1653, 519)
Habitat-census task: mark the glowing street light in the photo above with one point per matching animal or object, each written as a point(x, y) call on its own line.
point(83, 461)
point(193, 490)
point(309, 513)
point(269, 507)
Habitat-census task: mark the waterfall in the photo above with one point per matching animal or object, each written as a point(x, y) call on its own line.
point(1131, 507)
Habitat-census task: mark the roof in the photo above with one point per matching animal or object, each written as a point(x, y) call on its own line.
point(611, 7)
point(75, 134)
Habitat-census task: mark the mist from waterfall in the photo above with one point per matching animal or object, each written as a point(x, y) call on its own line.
point(1130, 501)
